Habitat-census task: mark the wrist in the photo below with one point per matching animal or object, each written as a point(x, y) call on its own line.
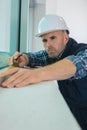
point(26, 59)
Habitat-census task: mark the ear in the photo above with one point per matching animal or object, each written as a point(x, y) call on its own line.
point(66, 38)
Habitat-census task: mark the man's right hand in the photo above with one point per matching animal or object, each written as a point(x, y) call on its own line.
point(19, 59)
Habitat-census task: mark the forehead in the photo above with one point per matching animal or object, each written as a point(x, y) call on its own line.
point(54, 33)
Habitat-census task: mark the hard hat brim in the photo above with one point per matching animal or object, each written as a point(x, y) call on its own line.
point(40, 34)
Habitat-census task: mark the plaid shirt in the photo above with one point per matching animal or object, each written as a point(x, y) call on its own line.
point(80, 60)
point(41, 58)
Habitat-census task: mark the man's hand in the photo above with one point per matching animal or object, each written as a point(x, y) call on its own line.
point(19, 59)
point(20, 77)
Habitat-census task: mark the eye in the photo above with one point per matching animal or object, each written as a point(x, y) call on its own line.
point(44, 40)
point(53, 37)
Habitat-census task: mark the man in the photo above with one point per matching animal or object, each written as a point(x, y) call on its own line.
point(63, 60)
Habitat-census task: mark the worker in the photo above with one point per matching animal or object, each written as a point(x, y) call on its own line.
point(63, 59)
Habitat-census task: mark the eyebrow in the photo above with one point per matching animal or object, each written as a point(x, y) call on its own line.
point(52, 37)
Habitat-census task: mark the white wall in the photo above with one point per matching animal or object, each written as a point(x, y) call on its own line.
point(74, 13)
point(5, 13)
point(39, 12)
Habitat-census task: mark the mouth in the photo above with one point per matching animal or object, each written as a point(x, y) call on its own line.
point(50, 51)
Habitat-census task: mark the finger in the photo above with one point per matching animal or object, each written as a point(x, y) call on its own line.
point(15, 78)
point(9, 72)
point(13, 83)
point(12, 58)
point(11, 79)
point(22, 61)
point(16, 55)
point(26, 82)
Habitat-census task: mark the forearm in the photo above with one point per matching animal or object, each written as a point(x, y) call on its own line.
point(60, 70)
point(40, 58)
point(36, 58)
point(21, 77)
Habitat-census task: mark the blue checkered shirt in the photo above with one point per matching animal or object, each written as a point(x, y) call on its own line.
point(41, 58)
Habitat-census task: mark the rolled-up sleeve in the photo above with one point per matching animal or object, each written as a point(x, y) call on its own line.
point(80, 61)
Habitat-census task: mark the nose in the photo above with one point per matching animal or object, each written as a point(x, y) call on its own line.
point(49, 43)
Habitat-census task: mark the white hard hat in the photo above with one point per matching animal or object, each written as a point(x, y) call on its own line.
point(51, 23)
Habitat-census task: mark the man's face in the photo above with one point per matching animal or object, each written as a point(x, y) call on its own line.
point(55, 42)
